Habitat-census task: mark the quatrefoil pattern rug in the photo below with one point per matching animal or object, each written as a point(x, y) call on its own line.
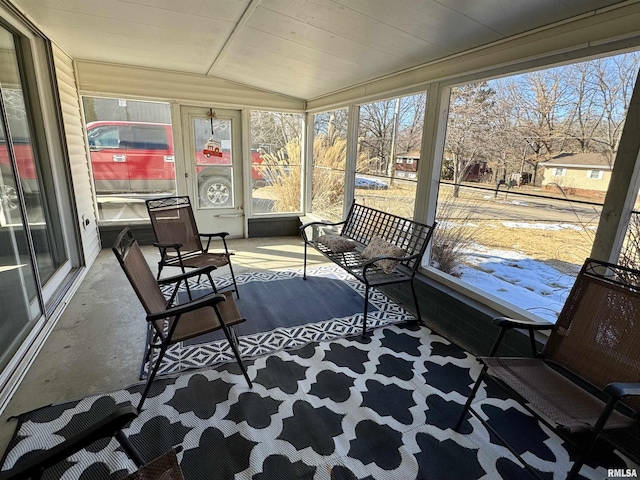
point(381, 407)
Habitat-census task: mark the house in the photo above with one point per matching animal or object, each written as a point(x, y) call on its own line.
point(211, 67)
point(407, 167)
point(583, 174)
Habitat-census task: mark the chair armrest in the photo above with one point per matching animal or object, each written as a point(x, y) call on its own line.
point(506, 322)
point(205, 301)
point(217, 234)
point(186, 275)
point(370, 262)
point(177, 246)
point(106, 427)
point(303, 228)
point(619, 390)
point(326, 224)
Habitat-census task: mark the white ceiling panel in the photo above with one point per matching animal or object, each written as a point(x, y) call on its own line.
point(510, 18)
point(430, 21)
point(300, 48)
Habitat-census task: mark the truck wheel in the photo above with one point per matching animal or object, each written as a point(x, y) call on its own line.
point(216, 192)
point(8, 197)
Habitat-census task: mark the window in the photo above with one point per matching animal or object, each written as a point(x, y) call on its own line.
point(131, 147)
point(328, 164)
point(521, 242)
point(386, 129)
point(148, 138)
point(104, 137)
point(276, 162)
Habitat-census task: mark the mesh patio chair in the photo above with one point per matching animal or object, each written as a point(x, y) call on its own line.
point(110, 425)
point(165, 467)
point(587, 377)
point(172, 323)
point(178, 238)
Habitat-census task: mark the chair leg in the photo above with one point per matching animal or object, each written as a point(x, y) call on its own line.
point(159, 270)
point(366, 310)
point(415, 302)
point(470, 399)
point(151, 345)
point(304, 269)
point(213, 284)
point(129, 449)
point(150, 378)
point(233, 277)
point(591, 441)
point(233, 343)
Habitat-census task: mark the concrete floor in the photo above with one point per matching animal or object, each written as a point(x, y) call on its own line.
point(98, 343)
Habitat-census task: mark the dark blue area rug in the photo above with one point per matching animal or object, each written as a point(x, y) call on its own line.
point(285, 311)
point(382, 407)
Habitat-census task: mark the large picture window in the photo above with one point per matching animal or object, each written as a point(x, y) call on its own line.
point(518, 207)
point(276, 165)
point(389, 144)
point(329, 163)
point(132, 158)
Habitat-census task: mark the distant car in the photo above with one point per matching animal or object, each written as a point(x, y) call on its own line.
point(371, 184)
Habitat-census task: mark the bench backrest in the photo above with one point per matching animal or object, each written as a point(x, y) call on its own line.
point(597, 334)
point(363, 223)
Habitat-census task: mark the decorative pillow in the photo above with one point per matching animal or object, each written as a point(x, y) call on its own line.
point(381, 248)
point(336, 243)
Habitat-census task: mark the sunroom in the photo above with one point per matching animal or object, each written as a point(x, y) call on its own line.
point(271, 113)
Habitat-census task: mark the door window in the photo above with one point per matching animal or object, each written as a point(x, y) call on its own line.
point(214, 162)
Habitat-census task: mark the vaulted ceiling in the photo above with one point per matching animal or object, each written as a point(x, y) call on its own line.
point(300, 48)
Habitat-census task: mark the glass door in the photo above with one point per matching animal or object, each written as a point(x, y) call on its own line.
point(213, 170)
point(32, 248)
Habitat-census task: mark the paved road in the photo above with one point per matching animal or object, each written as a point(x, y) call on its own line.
point(480, 204)
point(515, 207)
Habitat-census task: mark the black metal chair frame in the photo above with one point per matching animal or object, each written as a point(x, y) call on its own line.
point(611, 395)
point(109, 426)
point(162, 340)
point(167, 203)
point(361, 225)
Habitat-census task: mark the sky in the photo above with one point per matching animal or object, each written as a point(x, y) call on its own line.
point(515, 278)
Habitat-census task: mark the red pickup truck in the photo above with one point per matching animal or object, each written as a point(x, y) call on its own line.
point(132, 157)
point(136, 157)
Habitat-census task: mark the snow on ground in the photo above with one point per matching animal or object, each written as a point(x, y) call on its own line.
point(517, 279)
point(543, 226)
point(514, 277)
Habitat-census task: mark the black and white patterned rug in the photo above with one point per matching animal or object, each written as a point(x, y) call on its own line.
point(283, 311)
point(381, 406)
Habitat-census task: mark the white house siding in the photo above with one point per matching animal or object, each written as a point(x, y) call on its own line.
point(78, 155)
point(152, 84)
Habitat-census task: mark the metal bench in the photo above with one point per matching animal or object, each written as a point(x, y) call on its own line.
point(361, 226)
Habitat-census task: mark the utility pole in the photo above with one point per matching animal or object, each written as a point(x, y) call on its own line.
point(392, 160)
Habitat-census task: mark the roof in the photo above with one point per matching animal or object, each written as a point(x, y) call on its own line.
point(413, 154)
point(580, 160)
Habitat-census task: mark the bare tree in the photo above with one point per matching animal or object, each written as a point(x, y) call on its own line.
point(615, 78)
point(586, 112)
point(469, 127)
point(274, 129)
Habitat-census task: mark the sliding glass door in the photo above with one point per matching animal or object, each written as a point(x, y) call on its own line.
point(32, 247)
